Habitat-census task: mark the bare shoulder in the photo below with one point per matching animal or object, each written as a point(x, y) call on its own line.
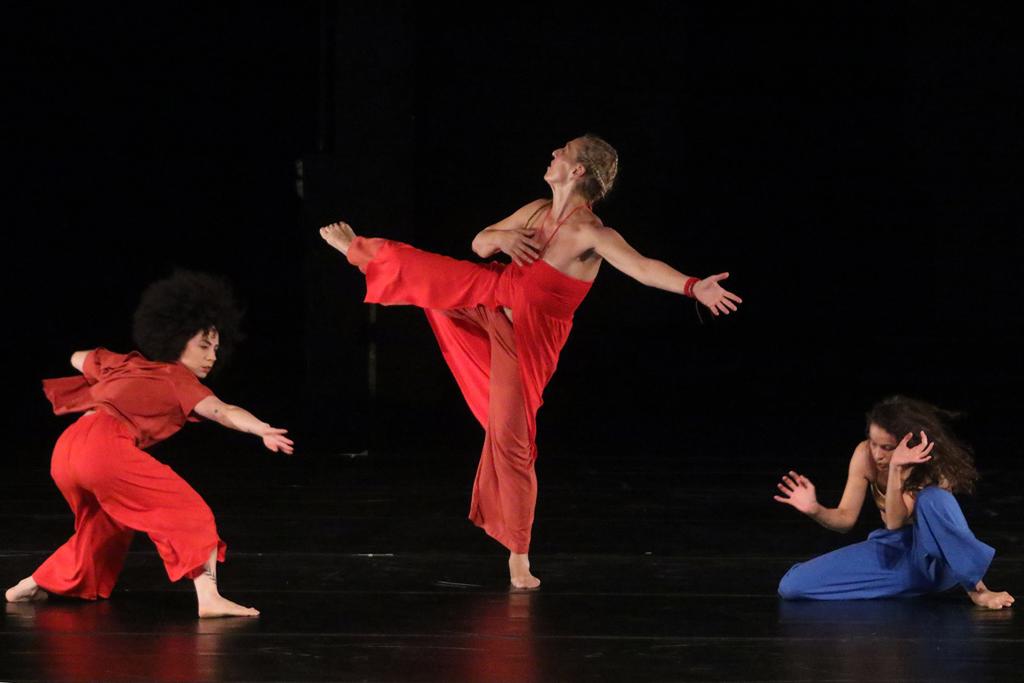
point(588, 227)
point(524, 212)
point(519, 217)
point(860, 462)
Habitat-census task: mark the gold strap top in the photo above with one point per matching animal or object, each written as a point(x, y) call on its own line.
point(878, 497)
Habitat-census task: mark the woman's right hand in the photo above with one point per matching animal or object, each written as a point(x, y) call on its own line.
point(905, 456)
point(797, 491)
point(519, 244)
point(275, 440)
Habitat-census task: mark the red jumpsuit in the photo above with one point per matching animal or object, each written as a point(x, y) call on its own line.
point(112, 486)
point(501, 367)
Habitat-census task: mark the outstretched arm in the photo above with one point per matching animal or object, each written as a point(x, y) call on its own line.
point(798, 492)
point(240, 419)
point(614, 249)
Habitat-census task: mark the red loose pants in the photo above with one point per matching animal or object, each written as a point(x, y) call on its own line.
point(115, 489)
point(501, 367)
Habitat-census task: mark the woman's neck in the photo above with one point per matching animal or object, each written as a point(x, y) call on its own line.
point(564, 200)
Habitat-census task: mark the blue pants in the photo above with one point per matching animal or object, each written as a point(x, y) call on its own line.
point(935, 553)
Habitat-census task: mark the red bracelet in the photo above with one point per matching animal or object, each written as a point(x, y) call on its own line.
point(688, 287)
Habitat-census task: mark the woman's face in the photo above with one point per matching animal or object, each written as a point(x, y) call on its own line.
point(563, 161)
point(201, 352)
point(882, 444)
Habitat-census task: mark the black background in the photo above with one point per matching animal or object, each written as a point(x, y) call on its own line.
point(855, 167)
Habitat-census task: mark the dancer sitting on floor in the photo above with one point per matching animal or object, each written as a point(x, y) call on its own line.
point(926, 546)
point(501, 327)
point(130, 403)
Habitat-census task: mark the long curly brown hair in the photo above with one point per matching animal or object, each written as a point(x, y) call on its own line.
point(952, 462)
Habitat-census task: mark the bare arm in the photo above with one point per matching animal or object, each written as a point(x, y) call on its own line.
point(240, 419)
point(510, 236)
point(78, 359)
point(614, 249)
point(798, 492)
point(899, 506)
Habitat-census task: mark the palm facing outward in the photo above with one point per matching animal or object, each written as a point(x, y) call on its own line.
point(714, 296)
point(904, 455)
point(275, 440)
point(798, 491)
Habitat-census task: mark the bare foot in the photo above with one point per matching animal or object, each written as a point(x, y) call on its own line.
point(219, 606)
point(27, 590)
point(991, 599)
point(519, 572)
point(338, 235)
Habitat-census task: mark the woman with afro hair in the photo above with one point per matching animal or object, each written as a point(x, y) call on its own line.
point(912, 464)
point(130, 402)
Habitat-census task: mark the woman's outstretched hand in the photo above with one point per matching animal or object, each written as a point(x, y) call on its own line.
point(714, 296)
point(797, 491)
point(904, 455)
point(519, 244)
point(275, 440)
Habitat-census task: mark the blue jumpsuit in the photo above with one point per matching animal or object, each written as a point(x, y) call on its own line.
point(935, 553)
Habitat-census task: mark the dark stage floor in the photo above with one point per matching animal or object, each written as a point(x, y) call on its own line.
point(655, 568)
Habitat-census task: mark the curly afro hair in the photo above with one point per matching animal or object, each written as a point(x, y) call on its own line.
point(171, 311)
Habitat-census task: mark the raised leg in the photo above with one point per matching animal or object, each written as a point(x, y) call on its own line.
point(338, 235)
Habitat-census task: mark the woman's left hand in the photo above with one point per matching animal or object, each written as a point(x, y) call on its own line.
point(275, 440)
point(905, 456)
point(714, 296)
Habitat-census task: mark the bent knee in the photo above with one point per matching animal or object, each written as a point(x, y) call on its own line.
point(934, 498)
point(792, 587)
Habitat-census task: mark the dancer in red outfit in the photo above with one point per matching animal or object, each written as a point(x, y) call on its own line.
point(130, 403)
point(501, 327)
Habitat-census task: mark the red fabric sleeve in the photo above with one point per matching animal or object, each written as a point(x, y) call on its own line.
point(189, 390)
point(98, 360)
point(73, 394)
point(93, 365)
point(68, 394)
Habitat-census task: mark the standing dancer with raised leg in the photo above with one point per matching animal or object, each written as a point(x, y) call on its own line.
point(130, 403)
point(501, 327)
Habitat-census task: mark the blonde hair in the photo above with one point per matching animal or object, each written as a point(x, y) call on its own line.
point(602, 164)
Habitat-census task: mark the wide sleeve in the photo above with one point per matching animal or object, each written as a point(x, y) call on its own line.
point(69, 394)
point(99, 360)
point(73, 394)
point(189, 391)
